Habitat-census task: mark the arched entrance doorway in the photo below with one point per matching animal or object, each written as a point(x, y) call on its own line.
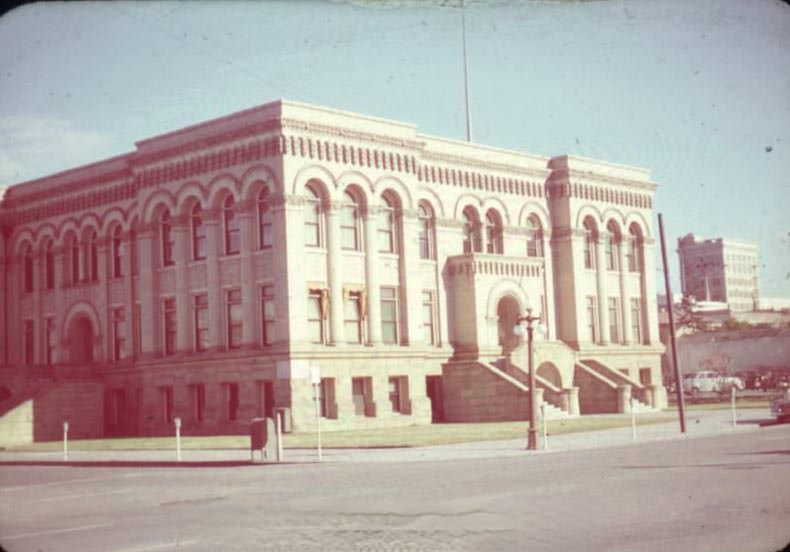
point(81, 340)
point(550, 373)
point(507, 311)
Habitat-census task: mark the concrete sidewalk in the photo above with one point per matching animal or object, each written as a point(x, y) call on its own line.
point(698, 424)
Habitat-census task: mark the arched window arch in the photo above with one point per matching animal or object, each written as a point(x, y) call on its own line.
point(493, 233)
point(634, 251)
point(198, 233)
point(387, 229)
point(612, 251)
point(27, 260)
point(426, 238)
point(232, 228)
point(590, 238)
point(167, 238)
point(49, 265)
point(93, 256)
point(313, 216)
point(265, 226)
point(471, 230)
point(349, 222)
point(534, 237)
point(118, 252)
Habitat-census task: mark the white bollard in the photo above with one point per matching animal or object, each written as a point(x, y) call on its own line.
point(278, 432)
point(633, 419)
point(732, 406)
point(65, 441)
point(317, 397)
point(545, 426)
point(177, 422)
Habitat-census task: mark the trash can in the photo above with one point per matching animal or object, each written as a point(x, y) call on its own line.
point(258, 437)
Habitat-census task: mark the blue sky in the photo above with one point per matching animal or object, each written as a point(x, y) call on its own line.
point(697, 91)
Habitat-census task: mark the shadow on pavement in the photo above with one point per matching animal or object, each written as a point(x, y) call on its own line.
point(139, 463)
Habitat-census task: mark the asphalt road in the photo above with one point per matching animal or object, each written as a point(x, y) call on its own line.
point(723, 493)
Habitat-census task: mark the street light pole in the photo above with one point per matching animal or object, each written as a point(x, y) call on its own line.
point(532, 432)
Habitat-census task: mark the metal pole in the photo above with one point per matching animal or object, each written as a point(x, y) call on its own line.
point(466, 75)
point(278, 432)
point(317, 418)
point(732, 403)
point(178, 439)
point(545, 426)
point(676, 366)
point(633, 419)
point(65, 441)
point(532, 434)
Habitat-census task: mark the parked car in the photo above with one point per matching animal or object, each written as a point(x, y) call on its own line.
point(780, 408)
point(710, 381)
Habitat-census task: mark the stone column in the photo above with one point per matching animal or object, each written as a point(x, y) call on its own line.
point(39, 284)
point(61, 281)
point(625, 297)
point(624, 399)
point(16, 354)
point(290, 285)
point(334, 270)
point(603, 306)
point(3, 299)
point(181, 256)
point(410, 279)
point(149, 304)
point(211, 221)
point(649, 307)
point(103, 298)
point(372, 277)
point(249, 297)
point(548, 286)
point(570, 401)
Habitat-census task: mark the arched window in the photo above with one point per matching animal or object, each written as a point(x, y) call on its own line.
point(386, 229)
point(265, 228)
point(312, 218)
point(613, 239)
point(471, 229)
point(634, 251)
point(493, 233)
point(118, 252)
point(49, 265)
point(590, 237)
point(198, 234)
point(426, 236)
point(93, 257)
point(232, 228)
point(534, 237)
point(27, 259)
point(349, 223)
point(74, 257)
point(167, 238)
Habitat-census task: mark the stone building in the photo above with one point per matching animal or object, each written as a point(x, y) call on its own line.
point(205, 273)
point(719, 270)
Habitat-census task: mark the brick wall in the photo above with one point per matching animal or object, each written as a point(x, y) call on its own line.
point(473, 392)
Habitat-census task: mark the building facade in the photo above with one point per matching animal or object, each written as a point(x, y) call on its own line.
point(208, 273)
point(720, 270)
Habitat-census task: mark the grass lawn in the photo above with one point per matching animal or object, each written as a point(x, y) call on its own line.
point(409, 436)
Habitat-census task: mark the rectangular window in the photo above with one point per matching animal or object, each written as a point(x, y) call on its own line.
point(315, 317)
point(349, 227)
point(169, 315)
point(231, 401)
point(631, 255)
point(389, 314)
point(265, 398)
point(636, 320)
point(589, 260)
point(118, 333)
point(362, 396)
point(197, 396)
point(352, 313)
point(51, 341)
point(592, 318)
point(267, 315)
point(614, 320)
point(645, 376)
point(312, 223)
point(235, 318)
point(201, 322)
point(327, 398)
point(29, 342)
point(399, 394)
point(166, 402)
point(611, 253)
point(134, 252)
point(429, 317)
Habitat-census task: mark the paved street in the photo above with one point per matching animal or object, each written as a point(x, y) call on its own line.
point(720, 490)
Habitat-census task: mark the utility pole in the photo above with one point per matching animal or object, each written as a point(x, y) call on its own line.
point(466, 74)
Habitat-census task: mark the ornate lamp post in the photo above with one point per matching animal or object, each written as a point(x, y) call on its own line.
point(532, 433)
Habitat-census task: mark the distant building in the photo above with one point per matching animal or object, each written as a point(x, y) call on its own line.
point(719, 270)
